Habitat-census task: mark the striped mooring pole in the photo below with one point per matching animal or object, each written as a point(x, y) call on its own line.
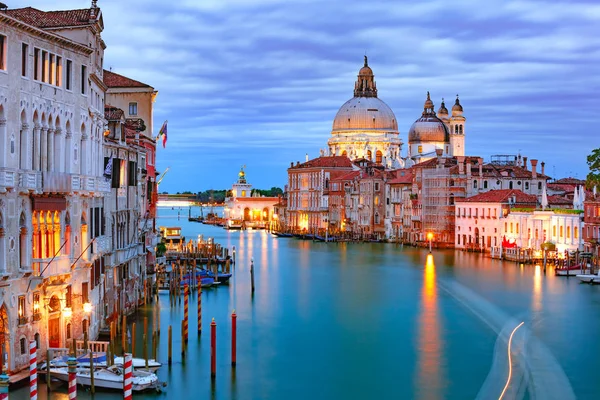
point(213, 349)
point(200, 308)
point(32, 370)
point(3, 387)
point(128, 378)
point(185, 311)
point(72, 370)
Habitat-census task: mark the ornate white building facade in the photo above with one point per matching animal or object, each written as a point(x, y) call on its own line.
point(51, 184)
point(366, 127)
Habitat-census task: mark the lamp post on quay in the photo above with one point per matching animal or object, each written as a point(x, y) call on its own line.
point(430, 238)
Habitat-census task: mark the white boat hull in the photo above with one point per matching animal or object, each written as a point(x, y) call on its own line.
point(571, 272)
point(104, 378)
point(589, 278)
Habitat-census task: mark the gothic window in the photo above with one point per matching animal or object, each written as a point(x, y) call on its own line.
point(460, 129)
point(455, 128)
point(474, 184)
point(485, 184)
point(369, 155)
point(378, 157)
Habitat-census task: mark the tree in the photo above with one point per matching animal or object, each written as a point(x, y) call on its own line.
point(593, 162)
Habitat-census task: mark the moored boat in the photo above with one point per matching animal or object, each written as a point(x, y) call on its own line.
point(573, 270)
point(109, 378)
point(83, 361)
point(589, 278)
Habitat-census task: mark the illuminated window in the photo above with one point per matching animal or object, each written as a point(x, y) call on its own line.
point(420, 149)
point(575, 233)
point(554, 230)
point(21, 310)
point(517, 230)
point(568, 232)
point(561, 231)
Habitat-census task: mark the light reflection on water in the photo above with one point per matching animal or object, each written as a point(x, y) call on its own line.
point(430, 372)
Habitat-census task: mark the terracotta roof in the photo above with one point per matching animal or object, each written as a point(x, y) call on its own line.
point(326, 162)
point(563, 187)
point(501, 196)
point(53, 19)
point(570, 181)
point(112, 113)
point(113, 80)
point(403, 176)
point(347, 176)
point(559, 200)
point(490, 170)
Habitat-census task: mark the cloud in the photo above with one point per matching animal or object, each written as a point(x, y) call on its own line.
point(259, 82)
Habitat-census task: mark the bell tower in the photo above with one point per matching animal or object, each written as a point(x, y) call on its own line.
point(457, 129)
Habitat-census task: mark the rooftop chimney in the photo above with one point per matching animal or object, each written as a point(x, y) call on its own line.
point(480, 162)
point(525, 163)
point(534, 168)
point(468, 169)
point(306, 157)
point(543, 165)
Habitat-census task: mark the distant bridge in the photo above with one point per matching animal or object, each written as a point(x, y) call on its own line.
point(181, 200)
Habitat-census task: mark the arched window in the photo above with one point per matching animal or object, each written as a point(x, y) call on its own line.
point(369, 155)
point(67, 240)
point(568, 232)
point(345, 153)
point(485, 184)
point(36, 337)
point(575, 233)
point(68, 333)
point(510, 185)
point(22, 242)
point(554, 231)
point(475, 184)
point(539, 185)
point(378, 157)
point(455, 128)
point(460, 129)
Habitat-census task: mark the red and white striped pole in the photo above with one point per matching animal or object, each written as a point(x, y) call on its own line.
point(3, 387)
point(199, 308)
point(128, 378)
point(32, 370)
point(213, 349)
point(186, 298)
point(72, 370)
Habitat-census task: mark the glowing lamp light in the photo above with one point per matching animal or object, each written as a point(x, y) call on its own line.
point(36, 307)
point(87, 308)
point(20, 311)
point(67, 312)
point(430, 236)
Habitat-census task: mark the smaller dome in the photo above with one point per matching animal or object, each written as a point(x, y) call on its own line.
point(366, 70)
point(457, 108)
point(442, 111)
point(428, 128)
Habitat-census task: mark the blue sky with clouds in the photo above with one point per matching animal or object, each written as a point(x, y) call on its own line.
point(258, 82)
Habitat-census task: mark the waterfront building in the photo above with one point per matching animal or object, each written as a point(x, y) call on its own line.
point(51, 183)
point(399, 189)
point(365, 126)
point(480, 218)
point(308, 191)
point(135, 100)
point(245, 209)
point(591, 232)
point(124, 262)
point(339, 188)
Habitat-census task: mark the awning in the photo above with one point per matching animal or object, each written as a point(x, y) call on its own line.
point(49, 204)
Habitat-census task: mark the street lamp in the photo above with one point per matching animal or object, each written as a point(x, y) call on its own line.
point(430, 238)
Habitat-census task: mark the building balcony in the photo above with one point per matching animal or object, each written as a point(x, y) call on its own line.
point(61, 182)
point(415, 217)
point(30, 181)
point(8, 178)
point(47, 267)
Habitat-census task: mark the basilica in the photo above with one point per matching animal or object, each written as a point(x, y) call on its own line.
point(366, 127)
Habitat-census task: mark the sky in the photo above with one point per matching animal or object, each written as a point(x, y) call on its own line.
point(258, 82)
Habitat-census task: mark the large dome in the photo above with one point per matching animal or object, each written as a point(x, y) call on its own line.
point(428, 128)
point(365, 113)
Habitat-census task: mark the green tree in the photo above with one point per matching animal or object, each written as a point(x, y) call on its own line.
point(593, 162)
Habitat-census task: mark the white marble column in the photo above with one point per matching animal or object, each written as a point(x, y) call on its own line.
point(44, 150)
point(50, 155)
point(56, 156)
point(36, 147)
point(3, 143)
point(23, 147)
point(68, 153)
point(84, 155)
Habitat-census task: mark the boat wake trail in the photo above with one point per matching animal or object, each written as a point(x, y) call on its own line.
point(522, 364)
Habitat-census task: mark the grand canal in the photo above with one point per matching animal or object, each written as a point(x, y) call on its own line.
point(371, 321)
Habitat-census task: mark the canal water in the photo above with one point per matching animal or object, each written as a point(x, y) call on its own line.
point(358, 321)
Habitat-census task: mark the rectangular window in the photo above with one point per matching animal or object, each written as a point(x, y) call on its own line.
point(44, 66)
point(3, 48)
point(116, 172)
point(58, 80)
point(22, 311)
point(68, 297)
point(36, 64)
point(69, 83)
point(132, 174)
point(133, 109)
point(376, 186)
point(85, 292)
point(24, 55)
point(51, 68)
point(83, 80)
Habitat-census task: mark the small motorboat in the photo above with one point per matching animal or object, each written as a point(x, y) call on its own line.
point(573, 270)
point(83, 361)
point(110, 378)
point(589, 278)
point(221, 277)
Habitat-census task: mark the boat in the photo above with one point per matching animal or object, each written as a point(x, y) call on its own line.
point(100, 361)
point(282, 234)
point(324, 239)
point(589, 278)
point(110, 378)
point(221, 276)
point(234, 224)
point(573, 270)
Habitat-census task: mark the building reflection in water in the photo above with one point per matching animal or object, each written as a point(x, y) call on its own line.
point(430, 365)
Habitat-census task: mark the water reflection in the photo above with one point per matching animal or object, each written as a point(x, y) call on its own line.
point(537, 289)
point(429, 343)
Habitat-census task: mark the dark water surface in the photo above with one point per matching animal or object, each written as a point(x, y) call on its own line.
point(366, 321)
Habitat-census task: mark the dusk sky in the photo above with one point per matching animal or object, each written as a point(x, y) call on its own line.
point(258, 82)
